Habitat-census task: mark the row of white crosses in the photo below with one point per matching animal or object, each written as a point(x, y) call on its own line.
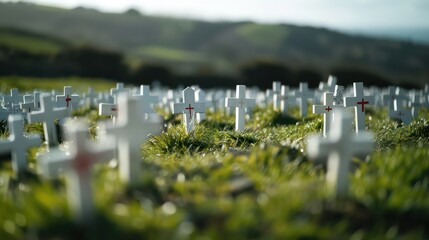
point(358, 102)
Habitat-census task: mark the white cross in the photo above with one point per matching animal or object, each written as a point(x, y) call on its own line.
point(329, 86)
point(200, 97)
point(146, 101)
point(114, 92)
point(68, 100)
point(13, 99)
point(28, 105)
point(189, 107)
point(276, 91)
point(91, 97)
point(240, 103)
point(303, 95)
point(401, 113)
point(48, 114)
point(18, 143)
point(327, 110)
point(131, 131)
point(77, 163)
point(415, 105)
point(389, 100)
point(339, 146)
point(358, 101)
point(285, 99)
point(338, 95)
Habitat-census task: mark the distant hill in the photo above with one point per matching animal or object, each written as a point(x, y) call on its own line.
point(191, 44)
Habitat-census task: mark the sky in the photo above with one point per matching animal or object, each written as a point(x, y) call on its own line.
point(337, 14)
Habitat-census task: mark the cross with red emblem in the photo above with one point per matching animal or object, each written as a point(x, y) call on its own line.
point(325, 109)
point(68, 99)
point(190, 108)
point(77, 164)
point(359, 99)
point(363, 102)
point(328, 109)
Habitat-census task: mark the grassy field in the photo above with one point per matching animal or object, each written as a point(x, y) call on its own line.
point(31, 83)
point(215, 183)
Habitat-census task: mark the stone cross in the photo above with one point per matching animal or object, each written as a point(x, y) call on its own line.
point(339, 146)
point(77, 163)
point(189, 107)
point(327, 110)
point(18, 143)
point(240, 103)
point(302, 95)
point(68, 100)
point(146, 101)
point(130, 131)
point(48, 114)
point(285, 99)
point(359, 102)
point(200, 97)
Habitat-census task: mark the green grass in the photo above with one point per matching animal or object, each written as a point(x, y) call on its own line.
point(78, 84)
point(29, 42)
point(261, 35)
point(169, 54)
point(217, 183)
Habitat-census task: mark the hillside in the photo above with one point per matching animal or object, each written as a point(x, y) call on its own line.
point(221, 46)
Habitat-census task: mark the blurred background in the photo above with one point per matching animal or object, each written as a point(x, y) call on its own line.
point(218, 43)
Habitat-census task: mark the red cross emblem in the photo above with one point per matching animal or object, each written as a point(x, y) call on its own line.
point(328, 109)
point(363, 102)
point(68, 99)
point(190, 108)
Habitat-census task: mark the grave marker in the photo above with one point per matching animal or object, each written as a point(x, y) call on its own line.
point(327, 110)
point(77, 163)
point(131, 131)
point(240, 103)
point(302, 95)
point(18, 143)
point(285, 99)
point(339, 95)
point(48, 114)
point(146, 100)
point(339, 146)
point(68, 100)
point(189, 107)
point(359, 101)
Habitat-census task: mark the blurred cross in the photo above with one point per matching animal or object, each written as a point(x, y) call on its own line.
point(240, 103)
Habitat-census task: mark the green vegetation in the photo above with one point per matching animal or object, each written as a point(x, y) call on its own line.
point(30, 83)
point(265, 36)
point(169, 54)
point(29, 42)
point(216, 183)
point(221, 45)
